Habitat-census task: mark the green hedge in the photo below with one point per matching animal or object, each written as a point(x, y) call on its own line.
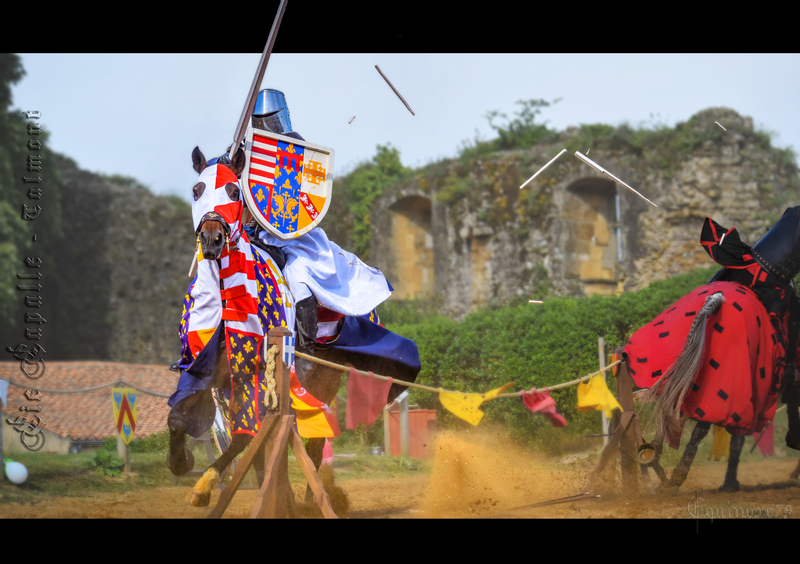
point(157, 442)
point(533, 345)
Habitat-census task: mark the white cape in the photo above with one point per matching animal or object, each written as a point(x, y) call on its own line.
point(339, 280)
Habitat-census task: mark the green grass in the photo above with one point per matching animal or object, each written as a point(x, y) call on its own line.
point(366, 465)
point(71, 475)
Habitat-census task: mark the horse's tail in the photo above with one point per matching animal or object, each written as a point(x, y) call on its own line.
point(679, 377)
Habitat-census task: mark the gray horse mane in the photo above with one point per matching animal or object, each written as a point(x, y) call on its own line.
point(679, 377)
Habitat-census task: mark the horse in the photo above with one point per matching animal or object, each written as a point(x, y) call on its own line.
point(722, 353)
point(322, 382)
point(694, 386)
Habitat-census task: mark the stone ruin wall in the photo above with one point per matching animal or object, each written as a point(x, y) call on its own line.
point(498, 244)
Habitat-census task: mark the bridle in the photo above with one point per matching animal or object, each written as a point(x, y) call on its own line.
point(214, 216)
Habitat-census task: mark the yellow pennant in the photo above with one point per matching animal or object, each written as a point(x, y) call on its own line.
point(595, 395)
point(124, 400)
point(722, 443)
point(465, 406)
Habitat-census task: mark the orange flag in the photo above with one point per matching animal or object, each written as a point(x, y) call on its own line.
point(314, 418)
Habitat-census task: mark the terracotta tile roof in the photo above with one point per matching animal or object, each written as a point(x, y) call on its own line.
point(89, 416)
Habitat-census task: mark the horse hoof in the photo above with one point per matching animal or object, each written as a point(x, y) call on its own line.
point(730, 488)
point(201, 493)
point(793, 440)
point(200, 499)
point(668, 489)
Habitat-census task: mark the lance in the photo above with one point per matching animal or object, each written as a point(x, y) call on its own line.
point(250, 102)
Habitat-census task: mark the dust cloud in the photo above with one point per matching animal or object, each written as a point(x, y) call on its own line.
point(481, 473)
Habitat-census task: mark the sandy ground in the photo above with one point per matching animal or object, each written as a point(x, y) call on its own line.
point(473, 478)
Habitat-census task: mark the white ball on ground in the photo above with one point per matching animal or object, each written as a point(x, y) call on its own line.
point(16, 472)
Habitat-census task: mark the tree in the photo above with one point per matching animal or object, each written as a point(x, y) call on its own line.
point(16, 234)
point(522, 131)
point(363, 186)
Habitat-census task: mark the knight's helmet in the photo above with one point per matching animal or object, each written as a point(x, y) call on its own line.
point(778, 250)
point(271, 112)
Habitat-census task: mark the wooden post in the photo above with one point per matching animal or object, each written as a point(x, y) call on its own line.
point(123, 451)
point(273, 498)
point(387, 435)
point(405, 441)
point(627, 447)
point(627, 436)
point(608, 451)
point(601, 345)
point(2, 427)
point(267, 425)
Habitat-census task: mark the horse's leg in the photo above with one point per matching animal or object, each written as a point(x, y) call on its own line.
point(793, 435)
point(179, 459)
point(794, 475)
point(201, 493)
point(681, 471)
point(731, 484)
point(314, 451)
point(322, 383)
point(658, 445)
point(260, 464)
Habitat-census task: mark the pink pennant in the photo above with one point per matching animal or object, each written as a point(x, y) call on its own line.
point(541, 402)
point(327, 453)
point(766, 444)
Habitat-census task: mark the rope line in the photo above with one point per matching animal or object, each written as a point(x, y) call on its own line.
point(93, 388)
point(438, 390)
point(324, 363)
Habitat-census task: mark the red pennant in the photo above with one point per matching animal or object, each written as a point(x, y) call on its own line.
point(541, 402)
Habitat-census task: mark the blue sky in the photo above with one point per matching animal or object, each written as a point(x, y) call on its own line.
point(141, 115)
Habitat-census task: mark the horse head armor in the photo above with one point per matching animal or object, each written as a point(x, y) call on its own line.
point(217, 198)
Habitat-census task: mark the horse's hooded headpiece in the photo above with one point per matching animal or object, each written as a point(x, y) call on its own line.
point(234, 298)
point(218, 196)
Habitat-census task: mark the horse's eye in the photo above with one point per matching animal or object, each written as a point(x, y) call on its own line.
point(233, 191)
point(198, 190)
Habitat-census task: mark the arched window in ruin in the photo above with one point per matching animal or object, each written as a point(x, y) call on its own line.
point(412, 242)
point(592, 242)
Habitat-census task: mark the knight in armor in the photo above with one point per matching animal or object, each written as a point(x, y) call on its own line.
point(321, 275)
point(769, 269)
point(271, 113)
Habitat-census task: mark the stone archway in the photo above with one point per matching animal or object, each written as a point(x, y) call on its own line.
point(412, 242)
point(592, 246)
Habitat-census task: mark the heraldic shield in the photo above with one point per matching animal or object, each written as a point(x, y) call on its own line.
point(286, 182)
